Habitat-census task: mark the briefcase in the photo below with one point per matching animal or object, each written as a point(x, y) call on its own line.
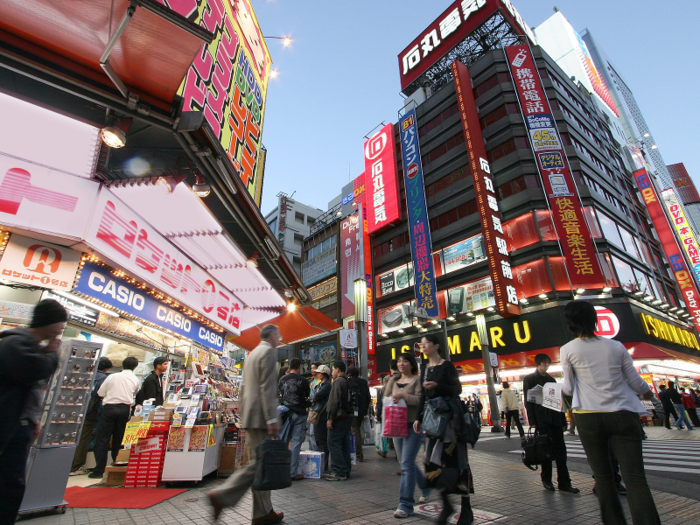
point(536, 449)
point(272, 470)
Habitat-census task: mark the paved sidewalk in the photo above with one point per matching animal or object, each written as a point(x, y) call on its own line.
point(506, 493)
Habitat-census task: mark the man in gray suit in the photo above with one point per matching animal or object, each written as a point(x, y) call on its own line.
point(258, 409)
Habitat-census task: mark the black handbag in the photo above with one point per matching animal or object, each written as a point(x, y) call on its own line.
point(272, 470)
point(437, 413)
point(536, 449)
point(472, 428)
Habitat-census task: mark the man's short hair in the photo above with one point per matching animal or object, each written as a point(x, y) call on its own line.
point(267, 331)
point(662, 387)
point(130, 363)
point(671, 384)
point(394, 366)
point(505, 384)
point(295, 363)
point(160, 360)
point(353, 371)
point(541, 358)
point(316, 364)
point(104, 363)
point(340, 365)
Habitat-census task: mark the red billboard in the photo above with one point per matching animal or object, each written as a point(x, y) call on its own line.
point(381, 186)
point(367, 249)
point(504, 290)
point(681, 272)
point(351, 263)
point(449, 29)
point(685, 187)
point(567, 213)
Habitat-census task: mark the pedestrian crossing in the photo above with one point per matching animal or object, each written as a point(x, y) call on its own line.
point(662, 455)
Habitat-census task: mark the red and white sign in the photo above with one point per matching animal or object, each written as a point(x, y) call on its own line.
point(351, 263)
point(147, 445)
point(39, 263)
point(449, 29)
point(608, 325)
point(128, 240)
point(39, 199)
point(367, 249)
point(381, 186)
point(348, 338)
point(504, 289)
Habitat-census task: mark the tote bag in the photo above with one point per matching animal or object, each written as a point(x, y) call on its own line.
point(394, 418)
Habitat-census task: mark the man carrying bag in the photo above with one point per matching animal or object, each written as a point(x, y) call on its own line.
point(258, 409)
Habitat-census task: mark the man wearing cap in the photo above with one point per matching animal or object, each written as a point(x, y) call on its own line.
point(28, 356)
point(152, 387)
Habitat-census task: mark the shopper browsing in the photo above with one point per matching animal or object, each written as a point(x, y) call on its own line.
point(294, 393)
point(152, 387)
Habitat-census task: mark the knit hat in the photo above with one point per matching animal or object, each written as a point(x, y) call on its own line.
point(48, 312)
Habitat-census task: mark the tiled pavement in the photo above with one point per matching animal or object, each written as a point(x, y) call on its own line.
point(504, 487)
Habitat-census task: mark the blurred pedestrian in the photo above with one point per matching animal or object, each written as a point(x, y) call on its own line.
point(510, 407)
point(677, 400)
point(690, 407)
point(669, 410)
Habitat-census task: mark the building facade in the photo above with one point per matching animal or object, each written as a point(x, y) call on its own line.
point(688, 193)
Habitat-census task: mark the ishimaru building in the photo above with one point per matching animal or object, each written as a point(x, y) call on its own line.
point(519, 196)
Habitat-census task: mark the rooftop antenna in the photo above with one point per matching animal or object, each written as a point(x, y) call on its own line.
point(292, 195)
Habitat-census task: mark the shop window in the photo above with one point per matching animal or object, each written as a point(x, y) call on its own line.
point(608, 272)
point(558, 269)
point(609, 228)
point(625, 275)
point(299, 217)
point(545, 225)
point(643, 282)
point(628, 243)
point(589, 213)
point(521, 232)
point(532, 278)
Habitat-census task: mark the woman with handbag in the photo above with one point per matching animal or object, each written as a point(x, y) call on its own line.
point(318, 415)
point(447, 465)
point(407, 387)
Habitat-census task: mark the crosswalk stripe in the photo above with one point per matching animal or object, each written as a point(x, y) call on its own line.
point(659, 453)
point(682, 464)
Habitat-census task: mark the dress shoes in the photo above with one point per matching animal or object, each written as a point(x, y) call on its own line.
point(273, 517)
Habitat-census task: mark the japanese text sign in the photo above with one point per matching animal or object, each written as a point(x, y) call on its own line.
point(567, 214)
point(351, 262)
point(418, 224)
point(684, 278)
point(367, 251)
point(504, 287)
point(381, 187)
point(685, 233)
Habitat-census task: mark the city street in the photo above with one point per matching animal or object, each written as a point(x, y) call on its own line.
point(506, 492)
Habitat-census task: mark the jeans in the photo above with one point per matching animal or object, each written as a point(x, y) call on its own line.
point(83, 444)
point(13, 465)
point(359, 434)
point(111, 424)
point(621, 431)
point(515, 416)
point(682, 417)
point(297, 435)
point(556, 435)
point(407, 449)
point(339, 446)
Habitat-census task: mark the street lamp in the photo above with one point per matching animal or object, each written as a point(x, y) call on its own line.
point(360, 320)
point(486, 357)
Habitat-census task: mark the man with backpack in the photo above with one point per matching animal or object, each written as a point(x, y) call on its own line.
point(360, 398)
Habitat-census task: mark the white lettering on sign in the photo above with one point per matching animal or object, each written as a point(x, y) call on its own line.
point(173, 318)
point(212, 337)
point(373, 151)
point(122, 294)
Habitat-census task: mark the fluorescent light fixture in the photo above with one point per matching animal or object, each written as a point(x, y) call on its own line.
point(450, 318)
point(491, 309)
point(665, 305)
point(648, 297)
point(639, 292)
point(85, 302)
point(656, 301)
point(401, 331)
point(524, 300)
point(607, 289)
point(580, 291)
point(543, 296)
point(434, 321)
point(470, 314)
point(418, 325)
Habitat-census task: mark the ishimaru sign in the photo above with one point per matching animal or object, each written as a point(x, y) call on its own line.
point(97, 282)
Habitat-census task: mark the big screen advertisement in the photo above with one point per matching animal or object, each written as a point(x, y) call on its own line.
point(684, 278)
point(567, 214)
point(394, 318)
point(351, 262)
point(504, 286)
point(685, 232)
point(463, 254)
point(470, 297)
point(395, 279)
point(228, 81)
point(418, 223)
point(381, 185)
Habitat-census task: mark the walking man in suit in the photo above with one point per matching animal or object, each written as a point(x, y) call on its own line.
point(258, 409)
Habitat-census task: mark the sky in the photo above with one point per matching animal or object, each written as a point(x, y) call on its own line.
point(340, 78)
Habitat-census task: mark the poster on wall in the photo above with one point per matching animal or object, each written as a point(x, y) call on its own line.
point(394, 280)
point(463, 254)
point(471, 297)
point(325, 353)
point(351, 262)
point(319, 267)
point(394, 317)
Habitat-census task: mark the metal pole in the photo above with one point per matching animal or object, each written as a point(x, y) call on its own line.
point(493, 401)
point(362, 348)
point(448, 355)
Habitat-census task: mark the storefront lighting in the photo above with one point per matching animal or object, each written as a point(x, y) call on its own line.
point(491, 309)
point(450, 318)
point(470, 314)
point(656, 301)
point(654, 147)
point(665, 305)
point(638, 293)
point(168, 183)
point(291, 307)
point(646, 135)
point(434, 321)
point(607, 289)
point(580, 291)
point(115, 136)
point(401, 331)
point(418, 325)
point(543, 296)
point(524, 300)
point(673, 309)
point(423, 330)
point(200, 187)
point(648, 297)
point(85, 302)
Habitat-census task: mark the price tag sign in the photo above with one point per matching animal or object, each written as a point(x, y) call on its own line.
point(143, 429)
point(131, 433)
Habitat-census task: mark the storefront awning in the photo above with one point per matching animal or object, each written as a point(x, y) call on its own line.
point(303, 323)
point(647, 351)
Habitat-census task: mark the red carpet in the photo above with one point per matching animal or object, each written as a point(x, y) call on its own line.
point(111, 498)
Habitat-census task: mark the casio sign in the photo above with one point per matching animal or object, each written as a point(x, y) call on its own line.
point(212, 337)
point(104, 286)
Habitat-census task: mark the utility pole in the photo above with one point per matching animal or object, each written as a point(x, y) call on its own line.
point(493, 401)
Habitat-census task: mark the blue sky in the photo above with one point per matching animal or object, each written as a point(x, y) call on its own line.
point(340, 78)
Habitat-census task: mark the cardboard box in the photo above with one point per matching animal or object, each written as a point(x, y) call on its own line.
point(552, 397)
point(123, 455)
point(161, 414)
point(311, 464)
point(115, 476)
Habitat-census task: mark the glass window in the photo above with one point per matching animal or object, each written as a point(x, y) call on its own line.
point(589, 213)
point(521, 232)
point(561, 279)
point(625, 275)
point(628, 243)
point(546, 226)
point(608, 272)
point(609, 229)
point(643, 282)
point(533, 278)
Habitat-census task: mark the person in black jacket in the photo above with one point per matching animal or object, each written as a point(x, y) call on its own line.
point(90, 422)
point(668, 406)
point(152, 386)
point(319, 400)
point(25, 364)
point(360, 385)
point(551, 423)
point(340, 412)
point(294, 393)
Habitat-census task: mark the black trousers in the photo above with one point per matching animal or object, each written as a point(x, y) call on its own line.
point(515, 416)
point(669, 410)
point(693, 415)
point(321, 436)
point(13, 465)
point(339, 446)
point(556, 435)
point(111, 424)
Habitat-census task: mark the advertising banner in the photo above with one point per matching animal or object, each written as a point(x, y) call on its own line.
point(685, 233)
point(228, 81)
point(351, 262)
point(394, 280)
point(463, 254)
point(684, 278)
point(97, 282)
point(39, 263)
point(319, 267)
point(417, 209)
point(504, 289)
point(470, 297)
point(367, 250)
point(685, 187)
point(77, 312)
point(381, 185)
point(325, 353)
point(567, 214)
point(325, 288)
point(131, 243)
point(393, 318)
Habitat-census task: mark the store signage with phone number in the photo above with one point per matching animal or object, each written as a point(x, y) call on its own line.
point(97, 282)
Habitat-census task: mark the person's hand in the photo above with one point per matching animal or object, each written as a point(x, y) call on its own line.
point(272, 429)
point(429, 385)
point(416, 426)
point(399, 395)
point(648, 395)
point(329, 425)
point(37, 429)
point(54, 345)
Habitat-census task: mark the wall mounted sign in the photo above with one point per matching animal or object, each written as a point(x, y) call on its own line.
point(381, 185)
point(685, 233)
point(77, 312)
point(351, 262)
point(319, 267)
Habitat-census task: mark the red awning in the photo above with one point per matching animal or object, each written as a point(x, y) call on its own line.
point(647, 351)
point(303, 323)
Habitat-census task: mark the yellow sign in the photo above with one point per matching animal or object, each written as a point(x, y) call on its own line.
point(131, 436)
point(668, 332)
point(685, 232)
point(143, 429)
point(325, 288)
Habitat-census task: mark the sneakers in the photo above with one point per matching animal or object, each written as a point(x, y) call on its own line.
point(335, 477)
point(95, 475)
point(398, 513)
point(424, 499)
point(78, 472)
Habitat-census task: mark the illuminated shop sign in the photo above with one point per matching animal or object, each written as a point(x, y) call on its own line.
point(325, 288)
point(394, 280)
point(381, 186)
point(685, 233)
point(662, 330)
point(463, 254)
point(351, 262)
point(98, 283)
